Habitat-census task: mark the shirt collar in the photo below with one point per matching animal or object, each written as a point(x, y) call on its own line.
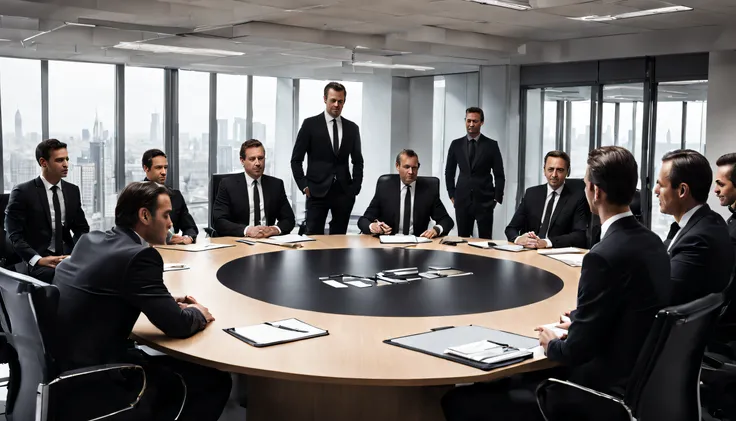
point(474, 138)
point(689, 214)
point(412, 185)
point(329, 118)
point(143, 242)
point(250, 179)
point(48, 184)
point(559, 189)
point(606, 225)
point(732, 209)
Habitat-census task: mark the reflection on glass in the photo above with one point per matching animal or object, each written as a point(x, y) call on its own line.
point(144, 117)
point(264, 125)
point(20, 88)
point(194, 100)
point(82, 115)
point(623, 118)
point(232, 106)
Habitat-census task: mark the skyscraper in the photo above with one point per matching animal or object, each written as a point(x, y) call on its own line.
point(259, 131)
point(239, 130)
point(18, 128)
point(97, 156)
point(155, 128)
point(222, 135)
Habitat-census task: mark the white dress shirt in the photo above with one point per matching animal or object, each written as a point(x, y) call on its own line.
point(50, 195)
point(144, 243)
point(402, 197)
point(606, 225)
point(329, 119)
point(554, 206)
point(683, 222)
point(249, 182)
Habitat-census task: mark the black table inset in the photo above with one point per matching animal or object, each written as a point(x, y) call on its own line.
point(291, 278)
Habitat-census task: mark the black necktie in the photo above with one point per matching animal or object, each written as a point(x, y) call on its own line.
point(670, 235)
point(547, 216)
point(471, 151)
point(335, 137)
point(407, 210)
point(58, 235)
point(256, 204)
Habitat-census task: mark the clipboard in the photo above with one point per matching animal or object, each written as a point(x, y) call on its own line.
point(437, 340)
point(233, 332)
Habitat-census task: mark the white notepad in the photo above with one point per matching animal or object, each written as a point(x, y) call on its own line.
point(486, 352)
point(562, 250)
point(272, 333)
point(575, 260)
point(403, 239)
point(290, 238)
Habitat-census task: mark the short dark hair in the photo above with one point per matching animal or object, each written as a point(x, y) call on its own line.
point(409, 154)
point(614, 170)
point(250, 143)
point(557, 154)
point(136, 195)
point(476, 110)
point(338, 87)
point(148, 156)
point(43, 150)
point(729, 159)
point(692, 168)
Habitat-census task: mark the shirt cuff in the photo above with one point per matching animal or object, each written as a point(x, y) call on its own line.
point(516, 239)
point(277, 228)
point(549, 242)
point(439, 229)
point(34, 260)
point(245, 231)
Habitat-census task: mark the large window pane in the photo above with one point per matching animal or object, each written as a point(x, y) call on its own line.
point(575, 126)
point(535, 144)
point(194, 100)
point(264, 124)
point(232, 105)
point(82, 114)
point(144, 117)
point(20, 89)
point(623, 118)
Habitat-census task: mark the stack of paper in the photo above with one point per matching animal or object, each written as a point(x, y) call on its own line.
point(575, 260)
point(403, 239)
point(290, 238)
point(563, 250)
point(486, 352)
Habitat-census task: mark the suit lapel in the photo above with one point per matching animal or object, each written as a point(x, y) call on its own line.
point(41, 190)
point(326, 132)
point(69, 200)
point(690, 224)
point(242, 182)
point(479, 148)
point(395, 203)
point(560, 203)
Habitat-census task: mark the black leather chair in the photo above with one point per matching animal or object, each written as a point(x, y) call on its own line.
point(664, 382)
point(8, 257)
point(594, 227)
point(27, 315)
point(214, 185)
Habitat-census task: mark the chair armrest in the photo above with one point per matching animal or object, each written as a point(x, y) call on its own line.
point(592, 393)
point(42, 396)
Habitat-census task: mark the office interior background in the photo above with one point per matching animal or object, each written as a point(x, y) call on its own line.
point(197, 78)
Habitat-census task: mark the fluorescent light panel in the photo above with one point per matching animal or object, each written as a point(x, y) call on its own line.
point(637, 14)
point(391, 66)
point(502, 3)
point(169, 49)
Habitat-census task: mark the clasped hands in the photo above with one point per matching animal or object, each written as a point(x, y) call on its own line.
point(261, 231)
point(531, 240)
point(180, 239)
point(379, 227)
point(189, 301)
point(546, 335)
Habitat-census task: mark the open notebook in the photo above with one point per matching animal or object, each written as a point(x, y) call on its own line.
point(274, 333)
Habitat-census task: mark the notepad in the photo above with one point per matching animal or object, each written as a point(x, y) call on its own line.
point(486, 352)
point(403, 239)
point(479, 244)
point(510, 247)
point(290, 238)
point(575, 260)
point(195, 247)
point(274, 333)
point(563, 250)
point(170, 267)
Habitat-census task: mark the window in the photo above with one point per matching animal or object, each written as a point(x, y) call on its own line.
point(144, 117)
point(232, 105)
point(575, 123)
point(439, 151)
point(82, 114)
point(623, 118)
point(194, 100)
point(20, 90)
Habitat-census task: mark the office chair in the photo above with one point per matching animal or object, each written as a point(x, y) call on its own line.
point(8, 257)
point(214, 185)
point(37, 386)
point(664, 382)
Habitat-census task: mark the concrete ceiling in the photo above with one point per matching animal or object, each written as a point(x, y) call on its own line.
point(307, 38)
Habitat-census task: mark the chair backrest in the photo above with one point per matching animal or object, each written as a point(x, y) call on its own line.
point(4, 251)
point(664, 384)
point(214, 185)
point(27, 314)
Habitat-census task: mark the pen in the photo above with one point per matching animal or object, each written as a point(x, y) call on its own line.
point(286, 328)
point(248, 242)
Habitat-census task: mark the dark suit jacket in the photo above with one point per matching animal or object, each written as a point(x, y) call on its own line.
point(180, 216)
point(732, 226)
point(28, 218)
point(107, 282)
point(231, 210)
point(475, 184)
point(386, 204)
point(322, 164)
point(625, 280)
point(701, 256)
point(569, 220)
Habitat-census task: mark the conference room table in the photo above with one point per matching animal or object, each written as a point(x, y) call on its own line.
point(351, 374)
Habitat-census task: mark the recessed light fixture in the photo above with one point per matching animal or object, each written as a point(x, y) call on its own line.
point(637, 14)
point(502, 3)
point(391, 66)
point(170, 49)
point(86, 25)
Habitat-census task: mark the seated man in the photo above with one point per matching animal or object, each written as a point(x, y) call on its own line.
point(700, 249)
point(726, 189)
point(42, 213)
point(250, 206)
point(405, 204)
point(624, 281)
point(110, 278)
point(552, 214)
point(155, 166)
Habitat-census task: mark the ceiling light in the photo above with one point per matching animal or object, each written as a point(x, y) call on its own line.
point(594, 18)
point(685, 82)
point(637, 14)
point(502, 3)
point(86, 25)
point(391, 66)
point(170, 49)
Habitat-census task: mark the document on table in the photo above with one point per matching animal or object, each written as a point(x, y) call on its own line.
point(563, 250)
point(170, 267)
point(335, 284)
point(486, 351)
point(272, 333)
point(195, 247)
point(403, 239)
point(290, 238)
point(557, 331)
point(575, 260)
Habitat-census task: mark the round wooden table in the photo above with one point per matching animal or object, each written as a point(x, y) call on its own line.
point(350, 374)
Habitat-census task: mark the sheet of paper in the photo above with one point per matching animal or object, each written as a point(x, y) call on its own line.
point(398, 239)
point(291, 238)
point(510, 247)
point(563, 250)
point(359, 284)
point(479, 244)
point(422, 240)
point(298, 324)
point(196, 247)
point(335, 284)
point(557, 331)
point(569, 259)
point(263, 334)
point(170, 267)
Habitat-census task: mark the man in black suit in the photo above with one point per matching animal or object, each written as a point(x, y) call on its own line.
point(155, 165)
point(475, 196)
point(726, 189)
point(552, 214)
point(110, 278)
point(405, 204)
point(253, 205)
point(328, 139)
point(43, 212)
point(700, 249)
point(625, 280)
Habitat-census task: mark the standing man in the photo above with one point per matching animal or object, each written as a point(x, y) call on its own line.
point(250, 205)
point(726, 189)
point(328, 139)
point(475, 196)
point(155, 166)
point(43, 212)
